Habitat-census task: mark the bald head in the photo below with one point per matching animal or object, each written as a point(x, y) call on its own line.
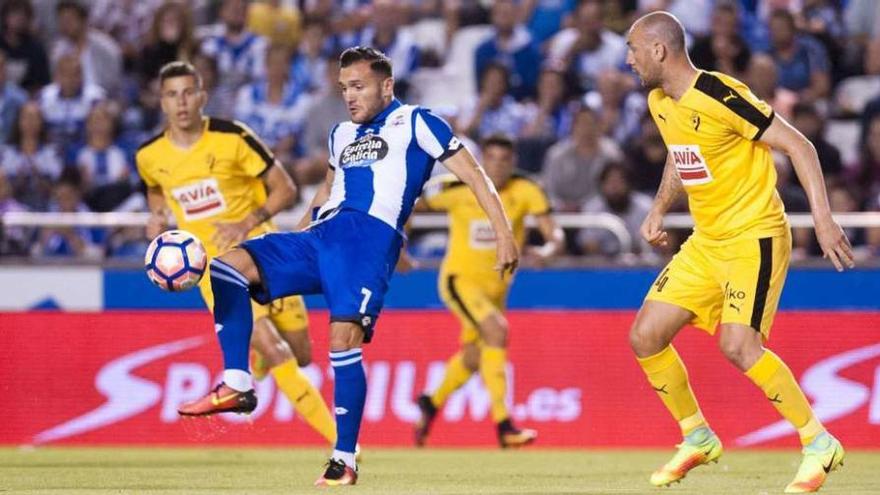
point(661, 27)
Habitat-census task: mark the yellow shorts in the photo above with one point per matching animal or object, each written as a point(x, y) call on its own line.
point(735, 282)
point(472, 300)
point(287, 314)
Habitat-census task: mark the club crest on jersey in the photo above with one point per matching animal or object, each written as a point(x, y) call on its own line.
point(363, 152)
point(690, 164)
point(199, 199)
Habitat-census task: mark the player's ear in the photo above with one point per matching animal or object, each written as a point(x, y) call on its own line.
point(388, 87)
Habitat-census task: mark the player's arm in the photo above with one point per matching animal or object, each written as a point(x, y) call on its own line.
point(554, 239)
point(281, 195)
point(833, 241)
point(668, 192)
point(321, 197)
point(466, 168)
point(159, 211)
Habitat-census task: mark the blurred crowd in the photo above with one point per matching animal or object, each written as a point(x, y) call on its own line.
point(79, 93)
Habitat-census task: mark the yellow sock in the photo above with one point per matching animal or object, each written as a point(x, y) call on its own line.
point(305, 398)
point(780, 387)
point(493, 361)
point(457, 374)
point(669, 378)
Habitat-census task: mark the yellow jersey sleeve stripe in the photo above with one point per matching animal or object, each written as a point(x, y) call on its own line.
point(714, 87)
point(151, 140)
point(231, 127)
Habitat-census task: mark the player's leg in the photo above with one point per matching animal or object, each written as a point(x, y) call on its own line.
point(230, 277)
point(684, 292)
point(755, 284)
point(286, 317)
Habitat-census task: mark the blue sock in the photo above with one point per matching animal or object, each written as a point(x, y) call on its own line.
point(349, 394)
point(233, 316)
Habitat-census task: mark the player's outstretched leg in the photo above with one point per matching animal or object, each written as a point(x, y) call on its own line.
point(231, 274)
point(493, 370)
point(822, 452)
point(650, 337)
point(349, 394)
point(459, 369)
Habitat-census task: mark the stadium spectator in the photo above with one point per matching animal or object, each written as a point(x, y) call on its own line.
point(869, 165)
point(723, 50)
point(545, 17)
point(128, 22)
point(384, 32)
point(29, 161)
point(550, 116)
point(240, 54)
point(570, 174)
point(11, 99)
point(647, 154)
point(762, 77)
point(326, 110)
point(862, 20)
point(617, 197)
point(588, 49)
point(309, 65)
point(619, 106)
point(806, 119)
point(494, 111)
point(170, 38)
point(78, 242)
point(274, 107)
point(216, 105)
point(104, 168)
point(13, 241)
point(854, 93)
point(27, 64)
point(822, 20)
point(511, 45)
point(802, 61)
point(66, 102)
point(279, 22)
point(99, 55)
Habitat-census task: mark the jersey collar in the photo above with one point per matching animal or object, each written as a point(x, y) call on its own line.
point(394, 105)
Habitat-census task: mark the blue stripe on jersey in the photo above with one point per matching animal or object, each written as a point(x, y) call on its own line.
point(332, 143)
point(418, 169)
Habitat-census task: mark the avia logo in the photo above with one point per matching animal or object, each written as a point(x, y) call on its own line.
point(200, 199)
point(833, 395)
point(127, 395)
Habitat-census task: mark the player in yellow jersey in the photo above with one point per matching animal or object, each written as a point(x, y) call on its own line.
point(731, 270)
point(473, 290)
point(223, 185)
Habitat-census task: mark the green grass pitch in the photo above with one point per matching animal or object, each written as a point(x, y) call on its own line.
point(406, 471)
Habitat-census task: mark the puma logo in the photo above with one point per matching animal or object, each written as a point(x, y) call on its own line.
point(735, 307)
point(730, 96)
point(660, 115)
point(775, 399)
point(661, 390)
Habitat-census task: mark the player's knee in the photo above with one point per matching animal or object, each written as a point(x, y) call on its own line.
point(302, 348)
point(239, 260)
point(269, 344)
point(471, 356)
point(494, 330)
point(645, 340)
point(345, 336)
point(742, 350)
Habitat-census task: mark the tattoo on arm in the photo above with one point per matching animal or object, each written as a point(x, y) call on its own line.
point(670, 188)
point(262, 214)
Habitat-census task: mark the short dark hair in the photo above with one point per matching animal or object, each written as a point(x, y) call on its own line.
point(10, 6)
point(179, 68)
point(805, 109)
point(783, 14)
point(379, 62)
point(498, 139)
point(615, 166)
point(81, 10)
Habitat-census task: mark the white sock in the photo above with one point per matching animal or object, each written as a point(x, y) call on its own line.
point(239, 380)
point(346, 457)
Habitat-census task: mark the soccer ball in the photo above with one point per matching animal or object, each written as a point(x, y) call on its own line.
point(175, 260)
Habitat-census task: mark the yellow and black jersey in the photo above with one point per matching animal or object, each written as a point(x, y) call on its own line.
point(712, 134)
point(217, 179)
point(471, 249)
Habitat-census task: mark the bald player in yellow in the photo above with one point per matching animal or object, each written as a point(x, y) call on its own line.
point(472, 289)
point(730, 272)
point(223, 185)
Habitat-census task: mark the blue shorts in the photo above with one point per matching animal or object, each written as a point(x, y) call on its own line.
point(349, 258)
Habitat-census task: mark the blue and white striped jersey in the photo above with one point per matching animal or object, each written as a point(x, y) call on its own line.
point(381, 166)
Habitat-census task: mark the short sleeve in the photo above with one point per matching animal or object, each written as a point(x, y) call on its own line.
point(254, 156)
point(144, 170)
point(331, 148)
point(745, 113)
point(434, 135)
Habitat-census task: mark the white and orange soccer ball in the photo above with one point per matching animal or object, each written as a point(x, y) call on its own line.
point(175, 260)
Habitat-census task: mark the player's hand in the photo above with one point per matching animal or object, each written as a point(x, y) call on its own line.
point(508, 256)
point(652, 230)
point(230, 234)
point(157, 223)
point(834, 243)
point(405, 262)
